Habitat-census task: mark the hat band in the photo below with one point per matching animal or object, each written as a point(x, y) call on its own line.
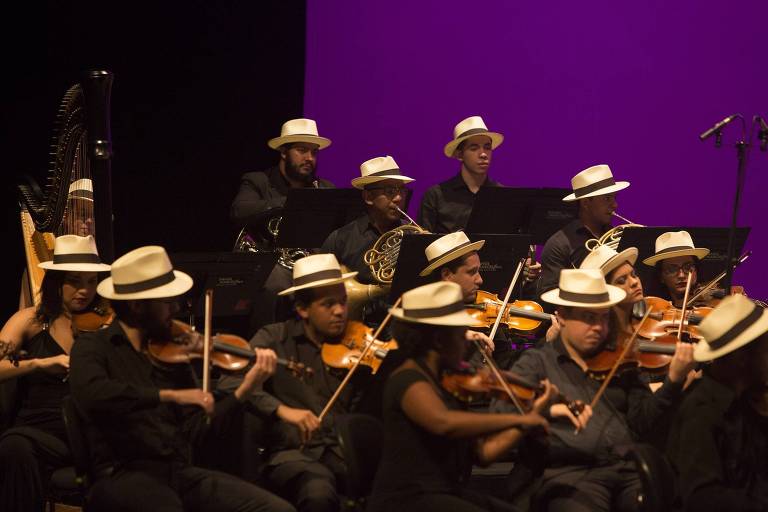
point(86, 257)
point(433, 312)
point(587, 298)
point(385, 172)
point(607, 182)
point(737, 329)
point(299, 135)
point(675, 248)
point(317, 276)
point(453, 249)
point(473, 131)
point(141, 286)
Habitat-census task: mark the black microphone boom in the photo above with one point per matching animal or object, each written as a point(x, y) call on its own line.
point(719, 126)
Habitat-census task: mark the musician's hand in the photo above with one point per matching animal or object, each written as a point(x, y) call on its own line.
point(55, 365)
point(487, 342)
point(579, 420)
point(303, 419)
point(532, 271)
point(541, 401)
point(682, 362)
point(196, 397)
point(262, 369)
point(554, 330)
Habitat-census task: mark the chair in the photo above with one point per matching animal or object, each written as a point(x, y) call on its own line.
point(360, 438)
point(657, 477)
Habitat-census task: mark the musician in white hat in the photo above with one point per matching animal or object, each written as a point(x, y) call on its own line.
point(595, 190)
point(40, 339)
point(588, 472)
point(676, 256)
point(148, 415)
point(718, 443)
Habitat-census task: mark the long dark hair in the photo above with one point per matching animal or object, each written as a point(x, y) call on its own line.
point(51, 305)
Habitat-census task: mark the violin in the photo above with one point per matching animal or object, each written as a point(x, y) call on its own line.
point(95, 318)
point(520, 315)
point(665, 318)
point(229, 352)
point(356, 336)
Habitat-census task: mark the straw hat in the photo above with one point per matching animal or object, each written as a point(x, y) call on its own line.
point(440, 303)
point(379, 169)
point(299, 130)
point(144, 273)
point(467, 128)
point(316, 270)
point(606, 259)
point(673, 244)
point(584, 288)
point(732, 324)
point(75, 254)
point(448, 248)
point(594, 181)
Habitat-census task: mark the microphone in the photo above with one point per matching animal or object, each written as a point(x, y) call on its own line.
point(716, 129)
point(762, 134)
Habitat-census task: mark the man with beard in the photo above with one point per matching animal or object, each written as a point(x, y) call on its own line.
point(304, 459)
point(144, 417)
point(261, 196)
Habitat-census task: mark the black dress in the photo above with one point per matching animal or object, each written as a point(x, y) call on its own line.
point(36, 444)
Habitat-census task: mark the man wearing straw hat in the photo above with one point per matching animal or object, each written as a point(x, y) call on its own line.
point(718, 443)
point(587, 471)
point(676, 257)
point(147, 417)
point(304, 460)
point(595, 190)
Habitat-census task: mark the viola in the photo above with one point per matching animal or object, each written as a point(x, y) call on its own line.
point(228, 351)
point(520, 315)
point(93, 319)
point(353, 342)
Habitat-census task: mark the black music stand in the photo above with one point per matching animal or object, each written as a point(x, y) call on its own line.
point(714, 239)
point(498, 260)
point(540, 212)
point(311, 214)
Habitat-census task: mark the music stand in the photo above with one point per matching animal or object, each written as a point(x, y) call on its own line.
point(498, 260)
point(714, 239)
point(540, 212)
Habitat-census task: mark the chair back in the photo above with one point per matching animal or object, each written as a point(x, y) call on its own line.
point(656, 476)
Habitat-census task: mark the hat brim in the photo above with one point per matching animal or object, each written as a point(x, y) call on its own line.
point(619, 185)
point(181, 284)
point(452, 255)
point(615, 295)
point(362, 181)
point(457, 319)
point(318, 284)
point(703, 352)
point(450, 149)
point(698, 252)
point(627, 255)
point(321, 142)
point(75, 267)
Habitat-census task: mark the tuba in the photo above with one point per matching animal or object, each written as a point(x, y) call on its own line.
point(382, 257)
point(612, 237)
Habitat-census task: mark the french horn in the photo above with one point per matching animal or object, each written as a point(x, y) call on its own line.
point(381, 258)
point(612, 237)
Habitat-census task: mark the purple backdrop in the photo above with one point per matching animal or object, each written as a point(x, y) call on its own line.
point(569, 84)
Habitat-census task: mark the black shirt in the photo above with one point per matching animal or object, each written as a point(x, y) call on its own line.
point(564, 249)
point(445, 207)
point(718, 445)
point(349, 244)
point(117, 388)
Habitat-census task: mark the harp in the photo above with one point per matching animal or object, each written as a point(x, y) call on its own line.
point(78, 191)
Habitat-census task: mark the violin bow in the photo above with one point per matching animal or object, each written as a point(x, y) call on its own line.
point(351, 371)
point(506, 298)
point(207, 340)
point(719, 276)
point(620, 359)
point(685, 305)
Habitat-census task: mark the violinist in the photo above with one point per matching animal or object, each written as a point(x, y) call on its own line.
point(595, 190)
point(304, 462)
point(674, 259)
point(718, 444)
point(587, 471)
point(145, 418)
point(430, 442)
point(36, 444)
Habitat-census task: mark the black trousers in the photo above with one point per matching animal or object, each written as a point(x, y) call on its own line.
point(144, 486)
point(466, 500)
point(309, 484)
point(28, 456)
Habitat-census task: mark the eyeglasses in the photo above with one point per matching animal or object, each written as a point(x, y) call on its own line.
point(672, 270)
point(391, 192)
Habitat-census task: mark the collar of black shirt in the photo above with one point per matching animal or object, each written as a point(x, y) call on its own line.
point(364, 223)
point(577, 226)
point(457, 183)
point(721, 395)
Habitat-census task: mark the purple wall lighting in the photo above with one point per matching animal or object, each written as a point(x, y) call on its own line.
point(569, 84)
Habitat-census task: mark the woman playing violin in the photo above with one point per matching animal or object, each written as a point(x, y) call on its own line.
point(430, 443)
point(37, 442)
point(676, 257)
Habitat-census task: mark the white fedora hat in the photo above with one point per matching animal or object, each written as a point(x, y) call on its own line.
point(673, 244)
point(584, 288)
point(316, 270)
point(594, 181)
point(606, 259)
point(144, 273)
point(440, 303)
point(467, 128)
point(448, 248)
point(379, 169)
point(732, 324)
point(75, 254)
point(299, 130)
